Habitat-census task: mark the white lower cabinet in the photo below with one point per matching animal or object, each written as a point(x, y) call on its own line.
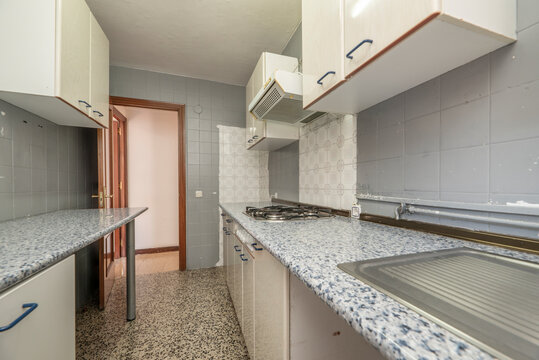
point(317, 333)
point(248, 272)
point(237, 292)
point(48, 331)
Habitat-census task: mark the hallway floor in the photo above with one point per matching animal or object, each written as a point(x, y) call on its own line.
point(180, 315)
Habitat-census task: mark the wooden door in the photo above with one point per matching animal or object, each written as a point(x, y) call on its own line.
point(118, 163)
point(106, 244)
point(322, 47)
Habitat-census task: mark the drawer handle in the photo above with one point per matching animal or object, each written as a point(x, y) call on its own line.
point(98, 113)
point(85, 103)
point(250, 141)
point(31, 307)
point(242, 257)
point(223, 214)
point(236, 248)
point(225, 229)
point(349, 55)
point(228, 220)
point(319, 81)
point(256, 248)
point(255, 137)
point(227, 233)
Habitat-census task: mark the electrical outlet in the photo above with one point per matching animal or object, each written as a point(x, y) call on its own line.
point(198, 193)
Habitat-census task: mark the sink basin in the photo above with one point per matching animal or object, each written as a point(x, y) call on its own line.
point(490, 300)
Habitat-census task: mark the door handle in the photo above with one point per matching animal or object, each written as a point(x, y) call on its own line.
point(319, 81)
point(236, 248)
point(242, 257)
point(30, 306)
point(256, 248)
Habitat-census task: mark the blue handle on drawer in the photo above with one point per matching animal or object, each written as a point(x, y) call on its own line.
point(319, 81)
point(349, 55)
point(85, 103)
point(256, 248)
point(236, 248)
point(243, 258)
point(31, 307)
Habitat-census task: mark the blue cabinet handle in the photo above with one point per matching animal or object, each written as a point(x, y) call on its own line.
point(228, 220)
point(85, 103)
point(227, 233)
point(223, 214)
point(236, 248)
point(319, 81)
point(225, 228)
point(31, 307)
point(256, 248)
point(242, 257)
point(98, 113)
point(349, 55)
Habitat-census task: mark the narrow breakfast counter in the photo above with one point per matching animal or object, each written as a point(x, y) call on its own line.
point(29, 245)
point(311, 250)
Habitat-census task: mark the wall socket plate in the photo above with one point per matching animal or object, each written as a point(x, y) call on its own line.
point(199, 193)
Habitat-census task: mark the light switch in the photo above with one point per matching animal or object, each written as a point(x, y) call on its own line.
point(198, 193)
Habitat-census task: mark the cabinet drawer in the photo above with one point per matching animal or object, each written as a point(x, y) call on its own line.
point(47, 332)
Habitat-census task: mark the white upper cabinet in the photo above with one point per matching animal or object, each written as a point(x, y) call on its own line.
point(73, 35)
point(322, 46)
point(55, 62)
point(262, 134)
point(99, 73)
point(390, 46)
point(372, 26)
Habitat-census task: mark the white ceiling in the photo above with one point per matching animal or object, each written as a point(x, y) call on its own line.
point(218, 40)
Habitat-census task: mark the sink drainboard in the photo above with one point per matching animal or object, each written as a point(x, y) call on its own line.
point(490, 300)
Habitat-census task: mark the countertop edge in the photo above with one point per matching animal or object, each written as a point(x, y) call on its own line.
point(51, 259)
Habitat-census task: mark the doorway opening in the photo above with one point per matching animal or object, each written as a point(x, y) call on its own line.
point(153, 173)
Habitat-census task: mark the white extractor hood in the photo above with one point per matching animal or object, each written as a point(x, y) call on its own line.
point(281, 99)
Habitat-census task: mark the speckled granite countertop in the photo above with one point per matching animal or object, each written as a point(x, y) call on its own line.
point(311, 250)
point(28, 245)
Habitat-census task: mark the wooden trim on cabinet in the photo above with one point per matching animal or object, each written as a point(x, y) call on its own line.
point(377, 55)
point(180, 109)
point(83, 113)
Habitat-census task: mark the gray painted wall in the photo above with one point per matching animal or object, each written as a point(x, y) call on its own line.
point(45, 167)
point(221, 104)
point(470, 135)
point(283, 164)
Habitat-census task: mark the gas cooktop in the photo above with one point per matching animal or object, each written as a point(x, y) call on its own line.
point(286, 213)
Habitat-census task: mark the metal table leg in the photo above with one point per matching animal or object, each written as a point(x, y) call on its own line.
point(130, 254)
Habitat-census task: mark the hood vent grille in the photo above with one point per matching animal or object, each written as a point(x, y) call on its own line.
point(267, 103)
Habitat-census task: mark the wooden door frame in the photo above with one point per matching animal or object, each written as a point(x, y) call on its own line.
point(180, 109)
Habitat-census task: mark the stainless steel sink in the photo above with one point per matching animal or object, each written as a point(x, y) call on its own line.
point(492, 301)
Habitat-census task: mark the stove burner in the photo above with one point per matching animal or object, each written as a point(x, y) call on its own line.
point(284, 213)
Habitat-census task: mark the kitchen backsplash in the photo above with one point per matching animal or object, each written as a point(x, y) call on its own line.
point(470, 135)
point(243, 174)
point(43, 166)
point(328, 161)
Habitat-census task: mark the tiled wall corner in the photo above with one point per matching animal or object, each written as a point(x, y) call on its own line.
point(328, 161)
point(243, 174)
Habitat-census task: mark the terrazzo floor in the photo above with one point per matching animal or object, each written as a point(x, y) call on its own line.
point(180, 315)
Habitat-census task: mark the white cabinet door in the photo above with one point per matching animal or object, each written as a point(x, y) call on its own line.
point(382, 22)
point(99, 74)
point(238, 281)
point(271, 307)
point(73, 53)
point(47, 332)
point(248, 301)
point(322, 46)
